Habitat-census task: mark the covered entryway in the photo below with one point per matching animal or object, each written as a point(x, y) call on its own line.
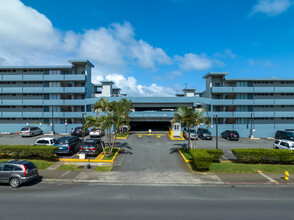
point(153, 125)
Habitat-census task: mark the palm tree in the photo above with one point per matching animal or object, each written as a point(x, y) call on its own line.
point(184, 115)
point(200, 116)
point(116, 115)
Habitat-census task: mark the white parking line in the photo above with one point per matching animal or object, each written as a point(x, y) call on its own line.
point(67, 172)
point(267, 177)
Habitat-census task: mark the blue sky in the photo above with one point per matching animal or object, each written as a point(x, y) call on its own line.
point(152, 47)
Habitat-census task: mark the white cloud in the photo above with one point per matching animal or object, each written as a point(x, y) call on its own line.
point(259, 62)
point(271, 7)
point(71, 41)
point(130, 86)
point(226, 54)
point(192, 61)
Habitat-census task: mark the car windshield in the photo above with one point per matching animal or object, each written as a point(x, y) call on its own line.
point(290, 134)
point(205, 131)
point(30, 166)
point(88, 143)
point(234, 132)
point(42, 142)
point(61, 142)
point(25, 129)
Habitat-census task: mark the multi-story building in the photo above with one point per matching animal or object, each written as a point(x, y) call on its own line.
point(55, 97)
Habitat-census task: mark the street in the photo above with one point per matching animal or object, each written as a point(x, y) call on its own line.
point(88, 200)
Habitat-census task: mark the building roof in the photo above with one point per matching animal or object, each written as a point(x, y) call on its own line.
point(220, 74)
point(36, 67)
point(261, 79)
point(107, 82)
point(189, 90)
point(81, 61)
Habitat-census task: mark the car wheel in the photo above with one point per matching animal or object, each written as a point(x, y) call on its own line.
point(14, 182)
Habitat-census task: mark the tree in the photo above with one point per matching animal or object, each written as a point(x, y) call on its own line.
point(200, 116)
point(115, 115)
point(184, 115)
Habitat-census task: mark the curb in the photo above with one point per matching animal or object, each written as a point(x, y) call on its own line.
point(175, 139)
point(123, 138)
point(187, 161)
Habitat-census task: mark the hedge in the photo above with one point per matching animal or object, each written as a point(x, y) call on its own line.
point(28, 152)
point(266, 156)
point(202, 159)
point(216, 154)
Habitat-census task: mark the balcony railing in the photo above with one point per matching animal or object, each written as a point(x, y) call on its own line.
point(53, 78)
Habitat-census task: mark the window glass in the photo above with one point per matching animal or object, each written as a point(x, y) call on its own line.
point(8, 168)
point(16, 168)
point(1, 166)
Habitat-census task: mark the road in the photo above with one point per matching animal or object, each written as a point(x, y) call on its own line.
point(85, 201)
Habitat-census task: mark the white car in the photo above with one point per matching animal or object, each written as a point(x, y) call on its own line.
point(283, 144)
point(96, 133)
point(45, 141)
point(192, 133)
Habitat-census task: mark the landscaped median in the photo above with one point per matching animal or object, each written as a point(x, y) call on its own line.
point(122, 136)
point(99, 159)
point(248, 161)
point(41, 164)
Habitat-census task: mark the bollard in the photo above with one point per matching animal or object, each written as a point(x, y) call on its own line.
point(286, 175)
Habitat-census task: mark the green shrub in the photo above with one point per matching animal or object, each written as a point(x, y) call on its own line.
point(202, 159)
point(266, 156)
point(216, 154)
point(28, 152)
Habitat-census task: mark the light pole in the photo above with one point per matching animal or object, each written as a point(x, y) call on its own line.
point(216, 131)
point(83, 133)
point(251, 131)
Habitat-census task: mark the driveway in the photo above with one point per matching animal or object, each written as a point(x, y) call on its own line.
point(149, 154)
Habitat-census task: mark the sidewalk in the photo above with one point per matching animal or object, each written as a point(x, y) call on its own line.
point(163, 178)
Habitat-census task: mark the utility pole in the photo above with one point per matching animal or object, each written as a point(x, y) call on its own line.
point(83, 133)
point(52, 129)
point(216, 131)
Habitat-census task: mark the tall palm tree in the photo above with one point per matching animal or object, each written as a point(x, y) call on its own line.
point(184, 115)
point(200, 116)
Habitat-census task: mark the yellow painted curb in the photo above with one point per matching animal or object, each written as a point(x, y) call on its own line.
point(255, 138)
point(187, 161)
point(96, 160)
point(270, 138)
point(176, 139)
point(140, 135)
point(123, 137)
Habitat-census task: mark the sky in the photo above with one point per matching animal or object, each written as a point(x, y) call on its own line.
point(152, 47)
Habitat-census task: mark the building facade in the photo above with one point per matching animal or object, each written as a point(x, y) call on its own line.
point(55, 97)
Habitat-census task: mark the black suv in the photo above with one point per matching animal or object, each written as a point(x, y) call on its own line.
point(17, 172)
point(78, 132)
point(286, 135)
point(230, 135)
point(67, 145)
point(204, 134)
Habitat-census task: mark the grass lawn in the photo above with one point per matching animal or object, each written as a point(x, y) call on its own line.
point(41, 164)
point(112, 155)
point(69, 167)
point(103, 168)
point(123, 135)
point(249, 168)
point(186, 153)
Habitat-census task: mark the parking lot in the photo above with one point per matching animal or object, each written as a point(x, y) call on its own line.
point(140, 144)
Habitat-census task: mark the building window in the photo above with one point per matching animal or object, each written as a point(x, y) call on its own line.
point(217, 84)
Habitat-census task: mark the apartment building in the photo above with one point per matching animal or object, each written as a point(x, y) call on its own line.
point(55, 97)
point(266, 103)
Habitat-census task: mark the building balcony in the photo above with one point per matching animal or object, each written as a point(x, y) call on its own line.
point(74, 90)
point(152, 114)
point(53, 78)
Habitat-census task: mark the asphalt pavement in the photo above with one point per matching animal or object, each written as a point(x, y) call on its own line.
point(91, 201)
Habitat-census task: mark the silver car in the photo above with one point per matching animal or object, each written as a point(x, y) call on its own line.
point(284, 145)
point(30, 131)
point(193, 134)
point(17, 172)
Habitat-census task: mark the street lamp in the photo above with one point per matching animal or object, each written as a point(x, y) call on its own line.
point(83, 135)
point(216, 131)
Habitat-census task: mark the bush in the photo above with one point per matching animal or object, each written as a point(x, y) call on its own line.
point(216, 154)
point(202, 159)
point(266, 156)
point(28, 152)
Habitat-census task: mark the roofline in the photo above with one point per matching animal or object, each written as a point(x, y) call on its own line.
point(260, 79)
point(215, 74)
point(37, 67)
point(81, 61)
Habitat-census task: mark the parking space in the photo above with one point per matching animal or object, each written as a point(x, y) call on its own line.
point(227, 145)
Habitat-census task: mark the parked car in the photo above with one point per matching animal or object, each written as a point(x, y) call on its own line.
point(78, 131)
point(68, 145)
point(91, 147)
point(45, 141)
point(204, 134)
point(230, 135)
point(192, 133)
point(283, 144)
point(30, 131)
point(95, 132)
point(285, 135)
point(17, 172)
